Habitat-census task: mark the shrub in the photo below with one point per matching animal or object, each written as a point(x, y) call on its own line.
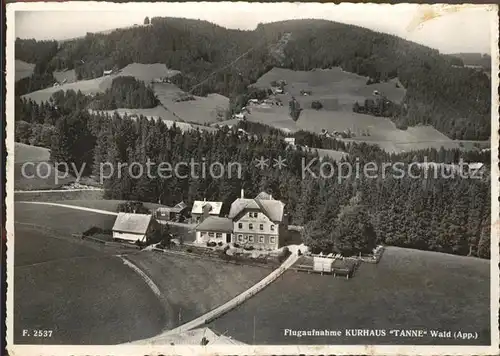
point(316, 105)
point(299, 252)
point(236, 245)
point(220, 244)
point(211, 244)
point(284, 254)
point(248, 248)
point(189, 250)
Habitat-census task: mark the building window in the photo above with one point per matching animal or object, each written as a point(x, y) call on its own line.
point(273, 239)
point(250, 238)
point(250, 226)
point(218, 235)
point(203, 233)
point(261, 239)
point(211, 234)
point(240, 238)
point(240, 226)
point(261, 226)
point(272, 227)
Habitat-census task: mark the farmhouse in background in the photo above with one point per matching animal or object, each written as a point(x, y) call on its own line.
point(260, 222)
point(134, 227)
point(179, 212)
point(108, 72)
point(290, 140)
point(203, 209)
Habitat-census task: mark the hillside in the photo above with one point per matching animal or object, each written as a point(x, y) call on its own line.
point(213, 59)
point(23, 69)
point(475, 59)
point(408, 289)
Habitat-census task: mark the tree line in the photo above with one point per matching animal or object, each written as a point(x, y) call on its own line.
point(349, 214)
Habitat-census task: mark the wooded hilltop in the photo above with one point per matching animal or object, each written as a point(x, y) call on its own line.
point(440, 90)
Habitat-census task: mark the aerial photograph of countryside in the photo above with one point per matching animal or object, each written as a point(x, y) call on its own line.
point(269, 174)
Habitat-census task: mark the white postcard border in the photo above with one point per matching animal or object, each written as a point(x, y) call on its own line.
point(493, 349)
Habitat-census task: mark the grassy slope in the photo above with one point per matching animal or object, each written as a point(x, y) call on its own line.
point(28, 153)
point(407, 289)
point(115, 306)
point(84, 296)
point(144, 72)
point(31, 179)
point(200, 110)
point(193, 286)
point(68, 75)
point(338, 91)
point(61, 219)
point(23, 69)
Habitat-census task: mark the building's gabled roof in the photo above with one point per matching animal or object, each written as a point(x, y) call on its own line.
point(215, 223)
point(175, 209)
point(132, 223)
point(198, 205)
point(241, 204)
point(273, 209)
point(179, 207)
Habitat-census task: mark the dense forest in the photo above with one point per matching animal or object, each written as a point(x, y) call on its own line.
point(438, 214)
point(125, 92)
point(440, 91)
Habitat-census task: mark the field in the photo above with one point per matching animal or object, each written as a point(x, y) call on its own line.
point(201, 110)
point(69, 76)
point(85, 296)
point(28, 153)
point(338, 91)
point(58, 195)
point(144, 72)
point(32, 179)
point(100, 300)
point(23, 69)
point(192, 286)
point(407, 289)
point(63, 220)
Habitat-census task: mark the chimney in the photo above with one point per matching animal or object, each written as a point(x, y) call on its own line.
point(204, 199)
point(242, 193)
point(270, 197)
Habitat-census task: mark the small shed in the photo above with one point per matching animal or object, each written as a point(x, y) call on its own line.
point(179, 212)
point(134, 227)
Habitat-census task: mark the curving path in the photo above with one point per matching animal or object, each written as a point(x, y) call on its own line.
point(224, 308)
point(209, 316)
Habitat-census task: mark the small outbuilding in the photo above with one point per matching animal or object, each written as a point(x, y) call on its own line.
point(135, 227)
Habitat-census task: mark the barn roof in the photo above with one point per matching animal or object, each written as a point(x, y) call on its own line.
point(133, 223)
point(215, 223)
point(199, 204)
